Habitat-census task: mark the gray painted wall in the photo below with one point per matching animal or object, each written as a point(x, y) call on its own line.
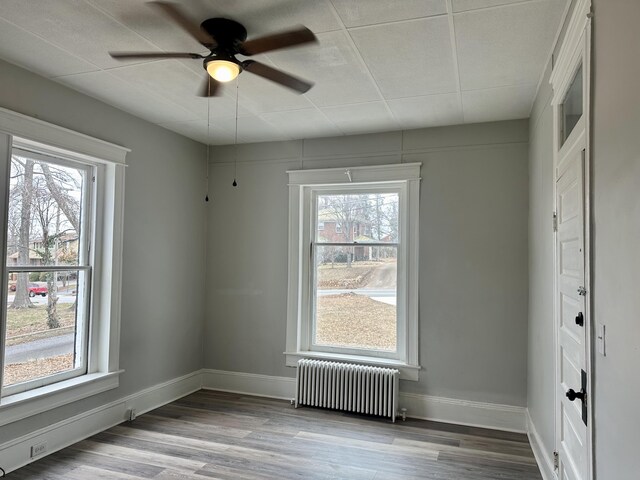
point(164, 247)
point(541, 366)
point(616, 217)
point(473, 253)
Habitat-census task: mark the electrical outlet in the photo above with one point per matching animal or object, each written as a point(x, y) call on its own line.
point(131, 414)
point(38, 449)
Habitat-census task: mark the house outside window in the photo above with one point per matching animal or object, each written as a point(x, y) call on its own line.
point(61, 244)
point(354, 297)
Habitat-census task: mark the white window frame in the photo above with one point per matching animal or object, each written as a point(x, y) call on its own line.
point(107, 161)
point(302, 185)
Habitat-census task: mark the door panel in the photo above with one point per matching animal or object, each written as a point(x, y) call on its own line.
point(570, 262)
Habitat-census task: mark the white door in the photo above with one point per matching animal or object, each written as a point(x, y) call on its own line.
point(572, 389)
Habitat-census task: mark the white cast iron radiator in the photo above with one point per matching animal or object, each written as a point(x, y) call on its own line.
point(346, 386)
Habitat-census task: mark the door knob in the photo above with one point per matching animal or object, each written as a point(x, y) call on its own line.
point(572, 394)
point(580, 320)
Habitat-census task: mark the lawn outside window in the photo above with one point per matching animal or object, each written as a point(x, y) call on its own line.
point(61, 198)
point(353, 266)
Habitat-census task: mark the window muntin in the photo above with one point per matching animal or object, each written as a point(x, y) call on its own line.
point(48, 270)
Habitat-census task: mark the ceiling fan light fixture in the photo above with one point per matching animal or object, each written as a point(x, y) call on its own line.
point(223, 70)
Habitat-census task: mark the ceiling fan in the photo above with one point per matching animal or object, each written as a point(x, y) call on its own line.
point(225, 39)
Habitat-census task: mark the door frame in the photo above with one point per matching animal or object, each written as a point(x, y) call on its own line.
point(575, 51)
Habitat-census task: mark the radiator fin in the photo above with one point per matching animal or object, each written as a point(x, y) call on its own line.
point(349, 387)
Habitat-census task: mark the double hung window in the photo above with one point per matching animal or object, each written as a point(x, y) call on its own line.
point(353, 288)
point(61, 199)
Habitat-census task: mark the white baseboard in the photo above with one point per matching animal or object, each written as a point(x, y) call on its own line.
point(543, 458)
point(17, 452)
point(449, 410)
point(464, 412)
point(249, 383)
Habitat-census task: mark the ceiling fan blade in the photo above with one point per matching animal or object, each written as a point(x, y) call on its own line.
point(210, 88)
point(125, 55)
point(276, 41)
point(175, 13)
point(277, 76)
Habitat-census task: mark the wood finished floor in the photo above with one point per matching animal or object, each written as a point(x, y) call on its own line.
point(212, 435)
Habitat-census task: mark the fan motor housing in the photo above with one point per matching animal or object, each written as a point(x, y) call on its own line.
point(228, 33)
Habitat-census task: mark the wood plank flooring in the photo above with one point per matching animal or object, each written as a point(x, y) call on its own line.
point(213, 435)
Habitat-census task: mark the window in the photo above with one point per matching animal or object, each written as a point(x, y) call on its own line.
point(49, 269)
point(571, 106)
point(320, 226)
point(354, 297)
point(61, 269)
point(338, 228)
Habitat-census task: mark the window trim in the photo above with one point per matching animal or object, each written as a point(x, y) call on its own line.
point(301, 182)
point(108, 161)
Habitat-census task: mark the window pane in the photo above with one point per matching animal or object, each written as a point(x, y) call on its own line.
point(355, 297)
point(572, 106)
point(45, 202)
point(367, 217)
point(45, 326)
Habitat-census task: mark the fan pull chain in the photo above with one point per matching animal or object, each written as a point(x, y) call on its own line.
point(235, 141)
point(206, 198)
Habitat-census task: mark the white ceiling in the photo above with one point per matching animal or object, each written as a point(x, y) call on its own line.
point(380, 64)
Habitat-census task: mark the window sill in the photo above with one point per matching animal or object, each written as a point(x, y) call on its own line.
point(407, 371)
point(25, 404)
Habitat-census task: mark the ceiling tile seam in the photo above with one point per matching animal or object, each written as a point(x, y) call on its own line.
point(364, 64)
point(499, 7)
point(454, 53)
point(47, 41)
point(499, 87)
point(395, 22)
point(563, 19)
point(489, 7)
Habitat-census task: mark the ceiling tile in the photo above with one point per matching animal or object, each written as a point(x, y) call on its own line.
point(75, 26)
point(464, 5)
point(409, 58)
point(369, 12)
point(515, 42)
point(427, 111)
point(334, 66)
point(33, 53)
point(307, 123)
point(506, 103)
point(361, 117)
point(150, 23)
point(127, 97)
point(258, 95)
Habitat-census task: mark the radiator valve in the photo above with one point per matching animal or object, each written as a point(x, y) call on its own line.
point(403, 414)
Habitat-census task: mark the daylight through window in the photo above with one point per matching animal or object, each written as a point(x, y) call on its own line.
point(48, 269)
point(355, 283)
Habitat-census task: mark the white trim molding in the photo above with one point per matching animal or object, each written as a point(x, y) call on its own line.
point(540, 451)
point(403, 178)
point(249, 384)
point(16, 453)
point(426, 407)
point(60, 138)
point(104, 163)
